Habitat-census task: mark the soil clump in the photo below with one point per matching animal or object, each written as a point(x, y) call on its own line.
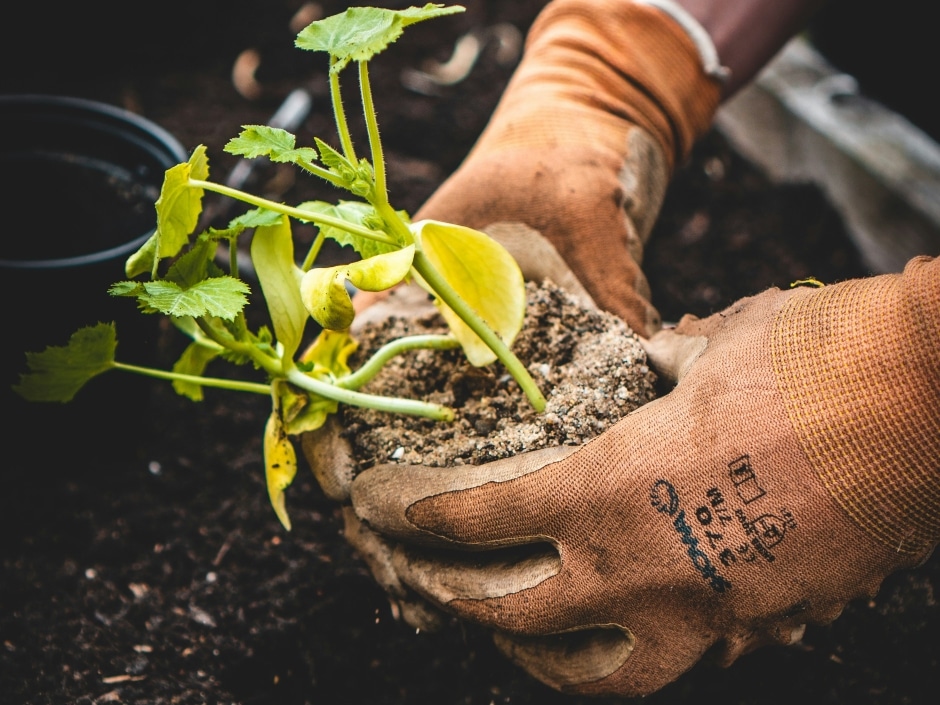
point(589, 365)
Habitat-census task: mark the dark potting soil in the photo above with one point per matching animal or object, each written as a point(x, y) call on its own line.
point(141, 560)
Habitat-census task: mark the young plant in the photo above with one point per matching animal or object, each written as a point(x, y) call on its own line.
point(474, 281)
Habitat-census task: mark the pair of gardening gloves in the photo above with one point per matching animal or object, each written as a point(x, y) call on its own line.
point(795, 463)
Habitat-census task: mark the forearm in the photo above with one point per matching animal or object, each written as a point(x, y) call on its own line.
point(747, 33)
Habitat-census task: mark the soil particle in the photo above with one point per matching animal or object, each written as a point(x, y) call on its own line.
point(589, 365)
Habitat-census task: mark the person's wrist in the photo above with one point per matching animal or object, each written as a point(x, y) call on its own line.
point(747, 33)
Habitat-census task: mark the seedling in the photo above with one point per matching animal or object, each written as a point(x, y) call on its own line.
point(474, 281)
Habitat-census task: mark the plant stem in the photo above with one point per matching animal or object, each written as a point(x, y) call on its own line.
point(371, 367)
point(449, 296)
point(339, 114)
point(394, 405)
point(218, 383)
point(324, 174)
point(296, 213)
point(372, 126)
point(313, 252)
point(233, 258)
point(273, 366)
point(285, 369)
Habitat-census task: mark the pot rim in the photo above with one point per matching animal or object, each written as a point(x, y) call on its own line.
point(105, 115)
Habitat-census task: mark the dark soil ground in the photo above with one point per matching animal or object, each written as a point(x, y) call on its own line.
point(141, 560)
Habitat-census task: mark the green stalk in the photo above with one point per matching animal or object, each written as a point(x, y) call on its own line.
point(324, 174)
point(296, 213)
point(339, 114)
point(372, 126)
point(273, 366)
point(233, 258)
point(370, 401)
point(394, 223)
point(449, 296)
point(217, 383)
point(313, 252)
point(276, 368)
point(371, 367)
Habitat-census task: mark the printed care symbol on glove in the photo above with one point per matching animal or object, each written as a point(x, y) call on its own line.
point(744, 479)
point(665, 499)
point(767, 530)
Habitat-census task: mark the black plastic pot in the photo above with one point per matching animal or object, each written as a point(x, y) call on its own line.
point(80, 181)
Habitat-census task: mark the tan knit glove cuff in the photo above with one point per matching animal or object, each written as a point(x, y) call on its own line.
point(878, 372)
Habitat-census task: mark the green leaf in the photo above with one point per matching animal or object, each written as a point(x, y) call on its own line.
point(359, 178)
point(356, 213)
point(133, 290)
point(193, 361)
point(194, 266)
point(255, 218)
point(126, 288)
point(178, 210)
point(280, 465)
point(324, 290)
point(141, 262)
point(485, 276)
point(224, 297)
point(360, 33)
point(59, 372)
point(272, 142)
point(335, 160)
point(272, 253)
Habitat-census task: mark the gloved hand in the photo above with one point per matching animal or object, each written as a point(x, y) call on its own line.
point(609, 96)
point(569, 175)
point(793, 467)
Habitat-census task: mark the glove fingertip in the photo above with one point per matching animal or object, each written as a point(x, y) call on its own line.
point(571, 661)
point(331, 460)
point(672, 354)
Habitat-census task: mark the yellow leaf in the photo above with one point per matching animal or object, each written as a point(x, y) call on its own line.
point(329, 353)
point(323, 290)
point(485, 276)
point(272, 253)
point(301, 413)
point(280, 463)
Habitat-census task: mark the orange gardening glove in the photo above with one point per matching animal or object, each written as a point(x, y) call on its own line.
point(610, 95)
point(795, 465)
